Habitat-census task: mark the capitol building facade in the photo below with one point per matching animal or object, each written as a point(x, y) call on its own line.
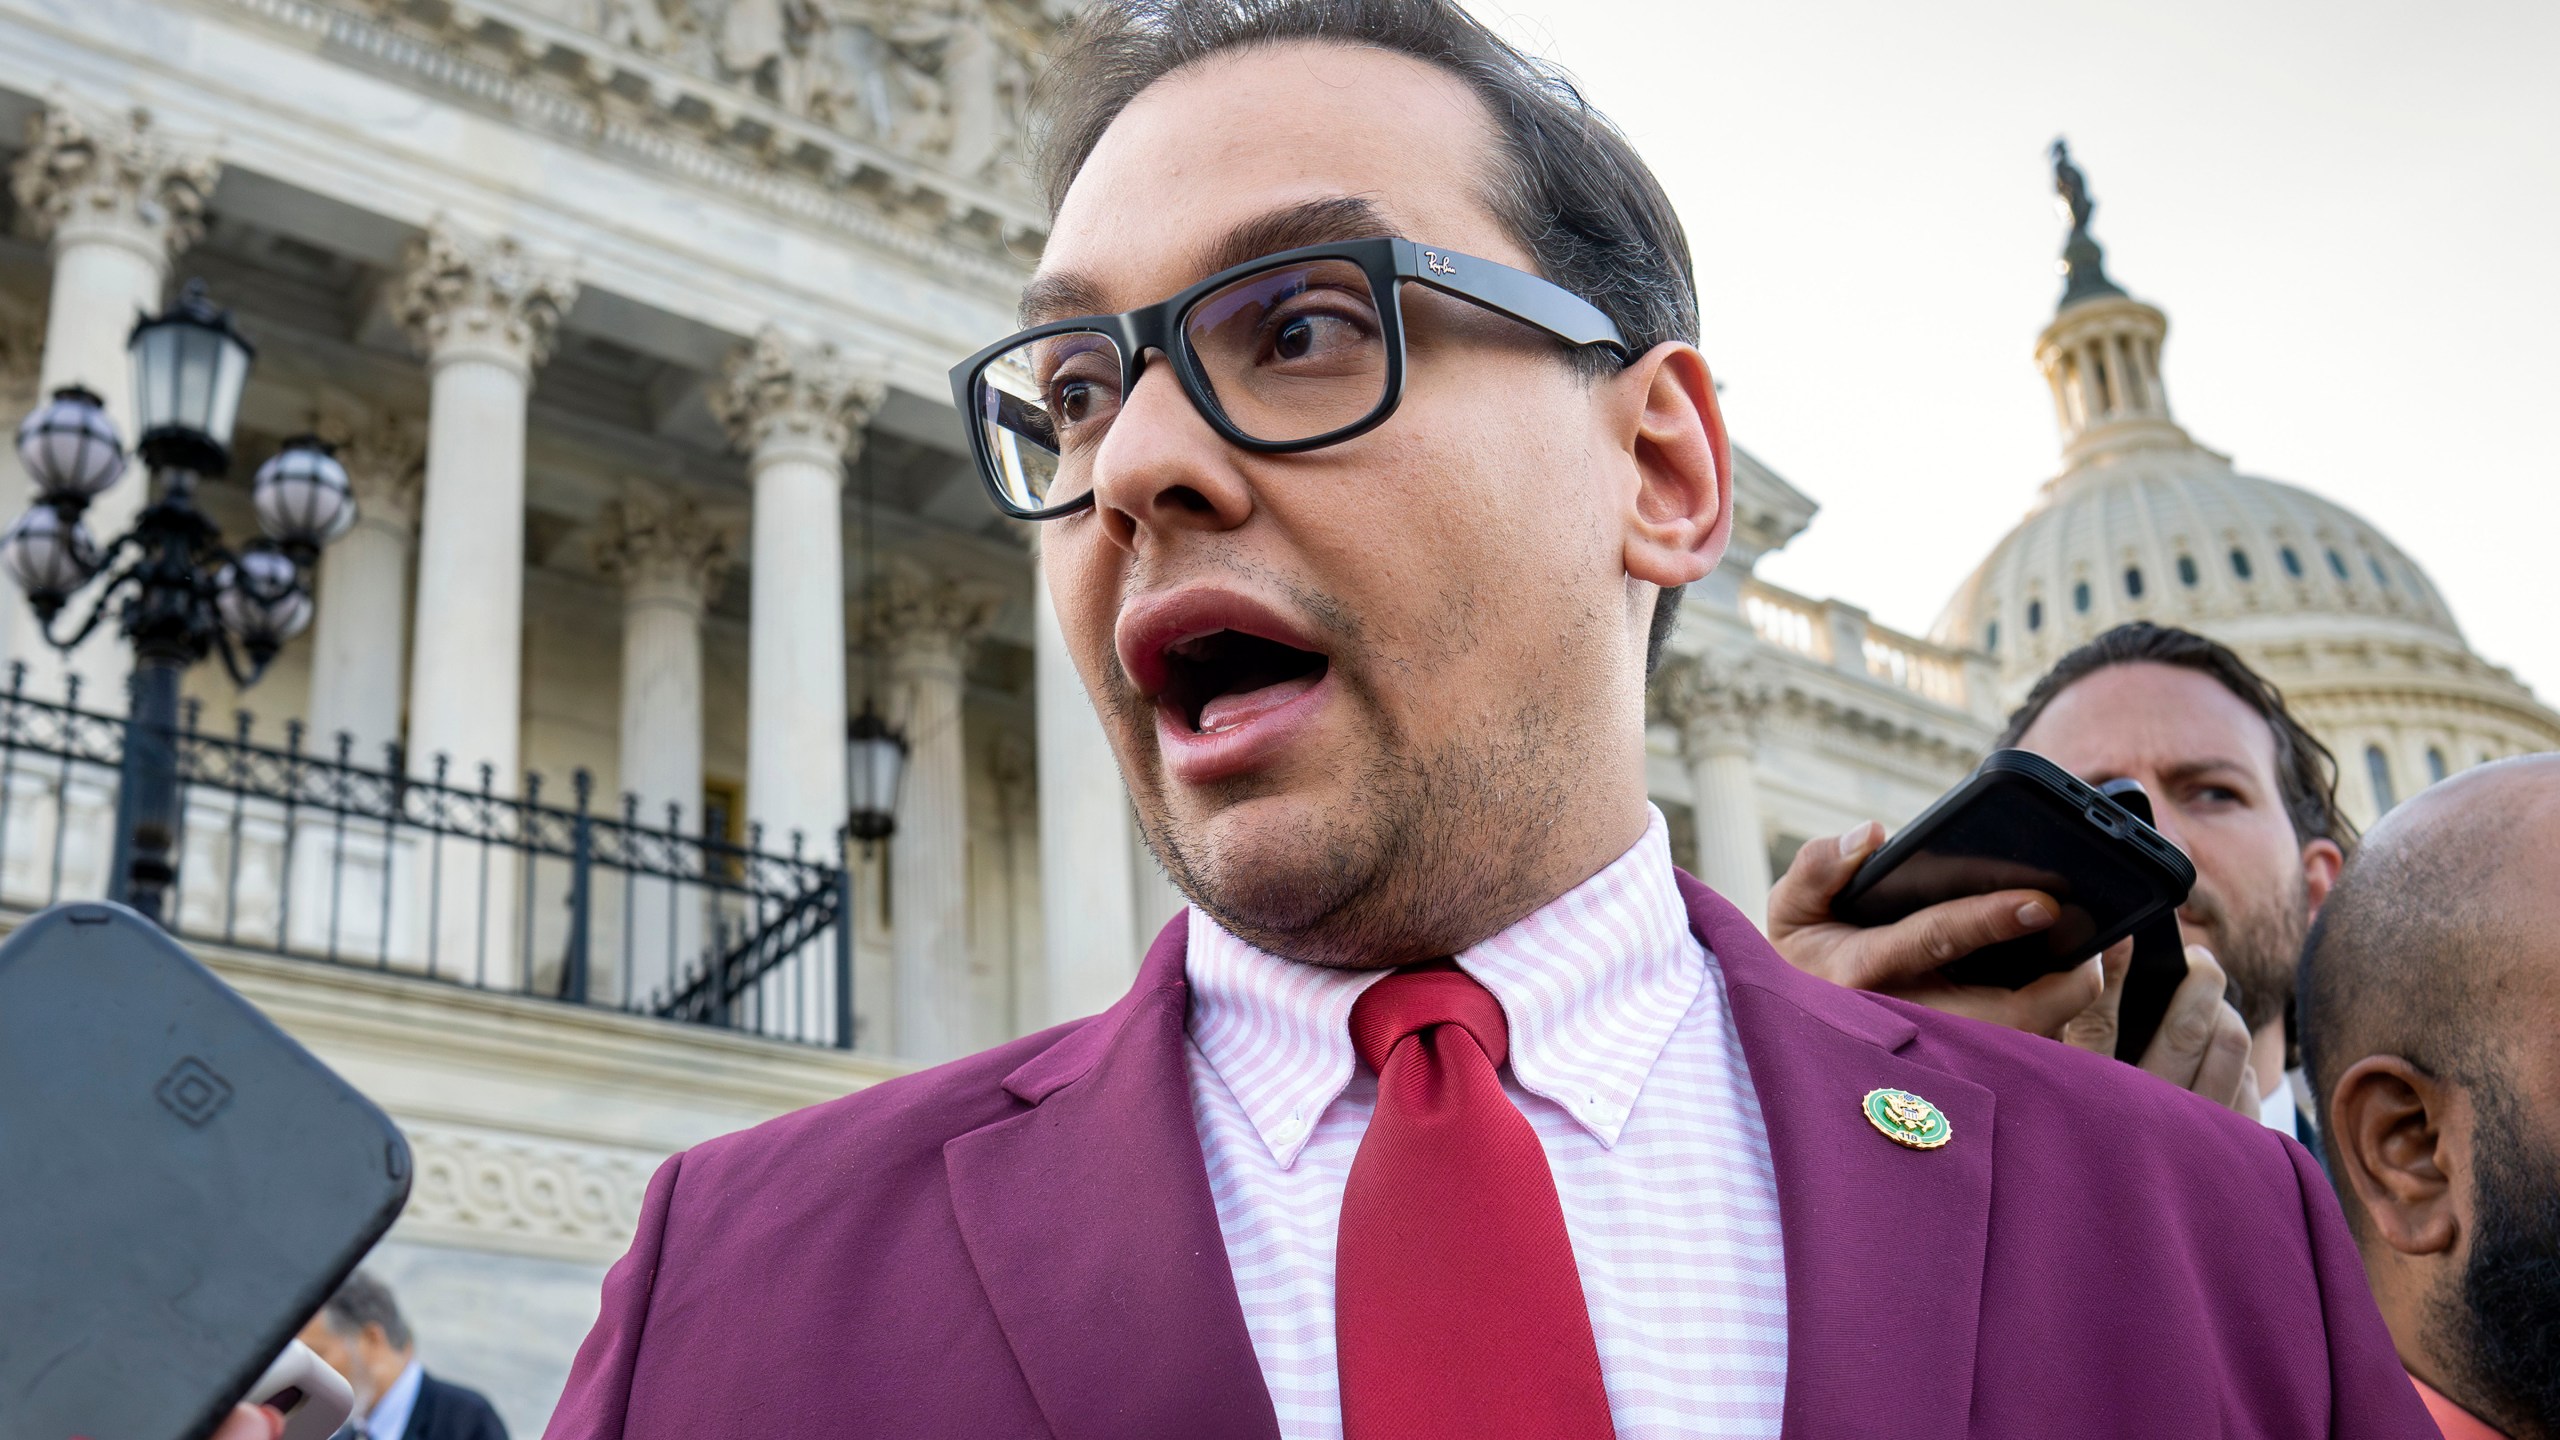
point(630, 321)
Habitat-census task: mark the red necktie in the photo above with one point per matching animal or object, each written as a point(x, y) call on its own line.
point(1457, 1310)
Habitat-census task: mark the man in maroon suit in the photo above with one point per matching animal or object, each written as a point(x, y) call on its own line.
point(1361, 407)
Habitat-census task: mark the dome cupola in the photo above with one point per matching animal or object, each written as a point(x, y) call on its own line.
point(2101, 354)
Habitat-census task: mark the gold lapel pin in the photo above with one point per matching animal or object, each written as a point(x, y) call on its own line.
point(1906, 1119)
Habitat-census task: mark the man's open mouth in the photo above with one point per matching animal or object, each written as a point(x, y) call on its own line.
point(1225, 678)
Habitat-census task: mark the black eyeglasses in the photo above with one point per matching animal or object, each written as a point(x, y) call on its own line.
point(1286, 353)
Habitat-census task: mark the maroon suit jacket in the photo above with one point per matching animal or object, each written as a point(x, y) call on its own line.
point(1022, 1243)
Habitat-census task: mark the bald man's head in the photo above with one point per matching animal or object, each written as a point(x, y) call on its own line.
point(2430, 993)
point(2449, 895)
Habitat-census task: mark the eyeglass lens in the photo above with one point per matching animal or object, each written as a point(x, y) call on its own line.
point(1287, 354)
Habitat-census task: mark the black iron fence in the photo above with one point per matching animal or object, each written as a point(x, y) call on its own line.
point(313, 855)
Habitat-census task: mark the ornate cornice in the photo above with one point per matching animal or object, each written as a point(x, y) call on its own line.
point(114, 177)
point(486, 297)
point(657, 543)
point(624, 78)
point(780, 391)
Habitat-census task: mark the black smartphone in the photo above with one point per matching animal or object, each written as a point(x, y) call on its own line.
point(2021, 822)
point(185, 1185)
point(2159, 963)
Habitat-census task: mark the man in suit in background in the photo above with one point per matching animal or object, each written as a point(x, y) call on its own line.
point(360, 1332)
point(1362, 410)
point(2430, 1006)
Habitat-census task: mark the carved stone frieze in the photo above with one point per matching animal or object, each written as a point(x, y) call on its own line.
point(488, 295)
point(510, 1191)
point(112, 176)
point(644, 81)
point(778, 390)
point(649, 539)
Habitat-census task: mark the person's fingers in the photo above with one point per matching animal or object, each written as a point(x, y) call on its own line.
point(1821, 870)
point(2187, 1032)
point(2094, 1028)
point(1926, 939)
point(2224, 1077)
point(252, 1422)
point(2047, 1006)
point(2038, 1008)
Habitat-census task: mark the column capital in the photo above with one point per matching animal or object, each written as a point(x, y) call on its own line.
point(486, 297)
point(1716, 702)
point(385, 452)
point(661, 545)
point(779, 392)
point(922, 618)
point(112, 177)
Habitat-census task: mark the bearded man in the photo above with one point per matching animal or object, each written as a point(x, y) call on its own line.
point(1361, 406)
point(2234, 781)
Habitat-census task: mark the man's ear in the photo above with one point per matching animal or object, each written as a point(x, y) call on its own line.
point(2321, 862)
point(1683, 510)
point(2388, 1134)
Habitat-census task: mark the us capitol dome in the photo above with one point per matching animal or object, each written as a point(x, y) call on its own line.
point(2144, 523)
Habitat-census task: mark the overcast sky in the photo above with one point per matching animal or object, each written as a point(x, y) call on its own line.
point(2350, 211)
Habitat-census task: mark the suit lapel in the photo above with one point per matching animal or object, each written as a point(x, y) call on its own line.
point(1884, 1244)
point(1089, 1220)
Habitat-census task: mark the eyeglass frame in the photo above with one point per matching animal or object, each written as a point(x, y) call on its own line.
point(1386, 261)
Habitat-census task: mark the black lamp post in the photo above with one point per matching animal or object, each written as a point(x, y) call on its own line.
point(177, 593)
point(875, 750)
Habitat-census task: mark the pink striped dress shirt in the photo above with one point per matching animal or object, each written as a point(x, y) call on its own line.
point(1625, 1060)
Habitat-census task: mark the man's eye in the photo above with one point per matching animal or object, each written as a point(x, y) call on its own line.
point(1315, 335)
point(1071, 401)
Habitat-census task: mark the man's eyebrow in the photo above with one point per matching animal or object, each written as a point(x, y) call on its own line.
point(1312, 222)
point(1065, 293)
point(1058, 295)
point(2210, 765)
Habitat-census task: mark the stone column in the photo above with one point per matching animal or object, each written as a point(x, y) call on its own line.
point(484, 311)
point(117, 199)
point(1014, 765)
point(670, 562)
point(797, 410)
point(1088, 839)
point(21, 355)
point(360, 637)
point(1717, 706)
point(928, 626)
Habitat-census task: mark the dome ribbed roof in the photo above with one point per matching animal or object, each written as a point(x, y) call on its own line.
point(2172, 533)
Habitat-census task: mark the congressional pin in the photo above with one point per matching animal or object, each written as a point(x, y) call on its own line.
point(1906, 1119)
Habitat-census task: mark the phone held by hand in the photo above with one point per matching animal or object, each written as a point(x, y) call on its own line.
point(2021, 822)
point(184, 1186)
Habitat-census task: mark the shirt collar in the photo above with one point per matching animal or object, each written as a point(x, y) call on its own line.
point(1592, 985)
point(389, 1417)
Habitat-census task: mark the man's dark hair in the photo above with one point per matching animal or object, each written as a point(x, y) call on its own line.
point(363, 1301)
point(1570, 188)
point(2306, 773)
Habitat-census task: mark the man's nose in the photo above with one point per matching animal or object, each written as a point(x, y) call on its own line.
point(1161, 469)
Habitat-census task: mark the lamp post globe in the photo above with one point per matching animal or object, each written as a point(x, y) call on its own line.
point(875, 765)
point(70, 447)
point(49, 555)
point(302, 494)
point(261, 598)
